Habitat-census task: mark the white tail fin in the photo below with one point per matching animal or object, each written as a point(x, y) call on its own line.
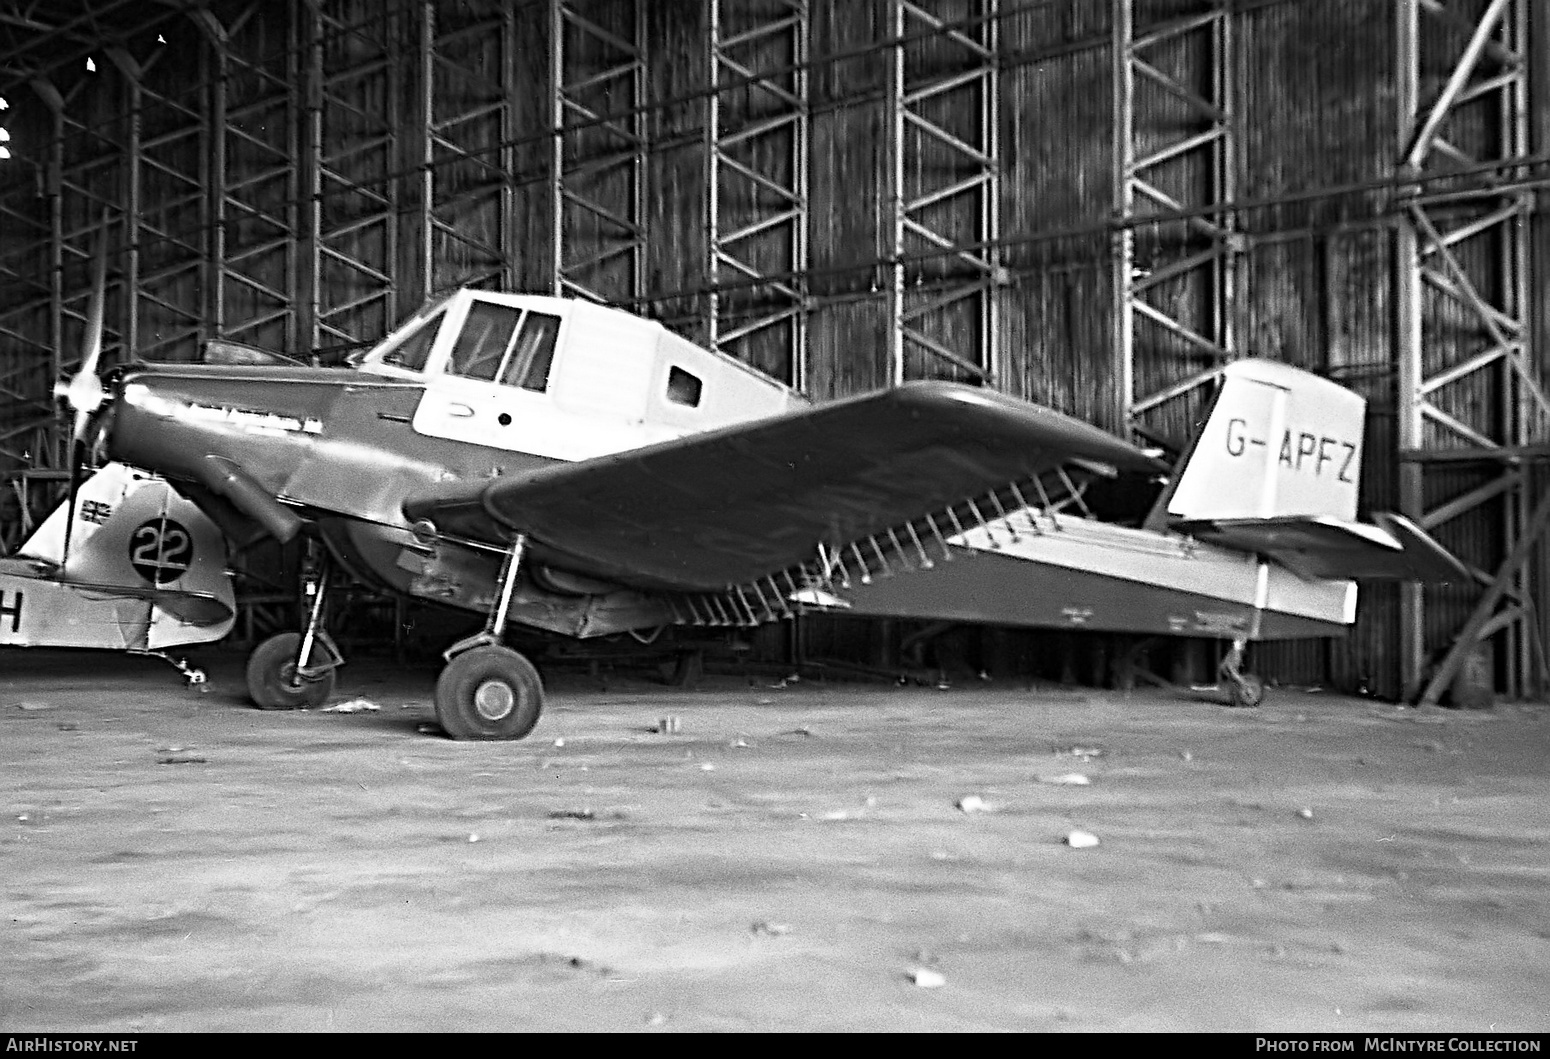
point(1278, 442)
point(134, 532)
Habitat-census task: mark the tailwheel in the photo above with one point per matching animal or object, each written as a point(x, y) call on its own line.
point(489, 692)
point(1243, 689)
point(275, 682)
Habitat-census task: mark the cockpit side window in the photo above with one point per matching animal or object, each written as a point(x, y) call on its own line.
point(484, 340)
point(533, 355)
point(414, 349)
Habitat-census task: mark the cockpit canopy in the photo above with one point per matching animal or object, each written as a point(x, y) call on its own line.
point(584, 357)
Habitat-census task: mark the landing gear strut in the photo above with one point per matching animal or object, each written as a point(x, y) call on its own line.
point(1243, 689)
point(489, 691)
point(294, 671)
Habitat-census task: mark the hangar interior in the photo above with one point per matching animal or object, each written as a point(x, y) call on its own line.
point(1087, 203)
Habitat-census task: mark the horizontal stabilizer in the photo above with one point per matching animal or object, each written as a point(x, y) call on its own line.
point(1326, 548)
point(198, 609)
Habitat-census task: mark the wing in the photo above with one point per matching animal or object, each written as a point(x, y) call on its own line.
point(710, 510)
point(1332, 549)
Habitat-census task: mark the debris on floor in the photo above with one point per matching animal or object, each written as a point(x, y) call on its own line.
point(573, 814)
point(926, 978)
point(1081, 840)
point(1084, 752)
point(770, 929)
point(357, 705)
point(30, 705)
point(973, 803)
point(1067, 779)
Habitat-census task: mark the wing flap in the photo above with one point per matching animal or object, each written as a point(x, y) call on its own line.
point(1325, 548)
point(710, 510)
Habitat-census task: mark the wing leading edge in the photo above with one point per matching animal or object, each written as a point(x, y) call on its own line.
point(711, 510)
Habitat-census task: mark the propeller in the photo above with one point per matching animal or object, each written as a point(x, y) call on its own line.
point(83, 393)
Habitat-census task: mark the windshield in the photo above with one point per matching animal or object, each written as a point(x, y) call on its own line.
point(410, 346)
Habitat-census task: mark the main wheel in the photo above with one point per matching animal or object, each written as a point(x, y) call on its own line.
point(272, 680)
point(489, 693)
point(1246, 691)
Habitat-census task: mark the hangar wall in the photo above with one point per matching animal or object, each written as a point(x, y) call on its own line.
point(1084, 203)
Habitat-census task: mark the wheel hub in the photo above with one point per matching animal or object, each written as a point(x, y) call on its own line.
point(494, 699)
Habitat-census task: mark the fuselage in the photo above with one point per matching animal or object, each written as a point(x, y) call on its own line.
point(478, 386)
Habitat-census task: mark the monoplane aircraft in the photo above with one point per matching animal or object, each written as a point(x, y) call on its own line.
point(574, 468)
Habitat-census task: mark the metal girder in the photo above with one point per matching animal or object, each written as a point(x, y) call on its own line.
point(1467, 381)
point(945, 97)
point(598, 160)
point(467, 55)
point(757, 143)
point(27, 313)
point(164, 208)
point(81, 178)
point(354, 103)
point(1175, 151)
point(255, 181)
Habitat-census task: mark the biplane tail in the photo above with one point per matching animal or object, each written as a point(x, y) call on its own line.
point(134, 538)
point(1276, 470)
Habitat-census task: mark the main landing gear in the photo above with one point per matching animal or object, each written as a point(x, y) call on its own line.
point(294, 671)
point(1243, 689)
point(489, 691)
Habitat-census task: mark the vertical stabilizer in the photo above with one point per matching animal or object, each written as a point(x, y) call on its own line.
point(1278, 442)
point(134, 537)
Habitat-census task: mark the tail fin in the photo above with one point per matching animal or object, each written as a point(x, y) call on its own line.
point(136, 537)
point(1278, 442)
point(1276, 471)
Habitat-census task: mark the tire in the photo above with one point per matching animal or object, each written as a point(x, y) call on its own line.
point(1247, 691)
point(272, 683)
point(489, 693)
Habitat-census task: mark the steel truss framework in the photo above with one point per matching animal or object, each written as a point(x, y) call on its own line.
point(946, 183)
point(757, 143)
point(255, 182)
point(45, 313)
point(354, 116)
point(1469, 391)
point(598, 167)
point(1175, 150)
point(467, 200)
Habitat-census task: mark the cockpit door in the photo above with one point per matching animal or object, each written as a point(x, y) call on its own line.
point(493, 388)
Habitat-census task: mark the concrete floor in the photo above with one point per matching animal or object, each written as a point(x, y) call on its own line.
point(171, 860)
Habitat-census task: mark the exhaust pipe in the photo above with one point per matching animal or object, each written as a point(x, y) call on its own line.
point(228, 480)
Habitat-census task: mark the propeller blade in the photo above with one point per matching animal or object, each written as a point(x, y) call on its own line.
point(77, 461)
point(83, 393)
